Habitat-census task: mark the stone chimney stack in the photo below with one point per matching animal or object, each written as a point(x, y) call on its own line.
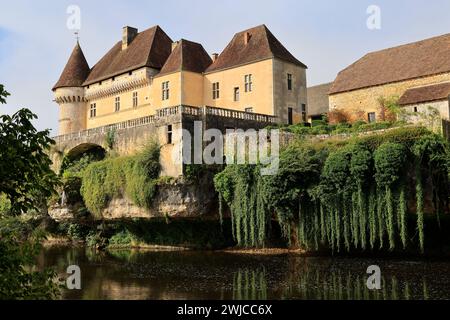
point(214, 57)
point(128, 35)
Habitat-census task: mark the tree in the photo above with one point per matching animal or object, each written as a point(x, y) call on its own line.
point(25, 179)
point(25, 174)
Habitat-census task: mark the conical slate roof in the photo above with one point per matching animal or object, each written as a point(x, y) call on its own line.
point(187, 56)
point(76, 70)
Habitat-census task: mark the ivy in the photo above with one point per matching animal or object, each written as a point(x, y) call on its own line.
point(341, 195)
point(134, 176)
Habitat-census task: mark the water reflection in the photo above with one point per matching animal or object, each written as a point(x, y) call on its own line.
point(132, 274)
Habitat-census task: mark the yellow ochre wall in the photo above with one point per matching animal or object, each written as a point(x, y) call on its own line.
point(106, 104)
point(261, 96)
point(366, 100)
point(269, 93)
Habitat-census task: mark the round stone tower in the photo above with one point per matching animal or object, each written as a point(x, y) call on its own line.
point(69, 93)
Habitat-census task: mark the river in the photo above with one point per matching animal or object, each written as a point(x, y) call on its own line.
point(132, 274)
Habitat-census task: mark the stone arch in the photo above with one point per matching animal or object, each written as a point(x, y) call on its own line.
point(83, 148)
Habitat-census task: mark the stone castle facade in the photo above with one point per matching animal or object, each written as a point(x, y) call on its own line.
point(147, 71)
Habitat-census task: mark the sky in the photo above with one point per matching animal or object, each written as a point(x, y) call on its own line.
point(326, 35)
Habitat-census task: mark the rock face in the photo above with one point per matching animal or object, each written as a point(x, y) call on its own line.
point(174, 200)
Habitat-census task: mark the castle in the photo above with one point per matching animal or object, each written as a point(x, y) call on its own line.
point(147, 72)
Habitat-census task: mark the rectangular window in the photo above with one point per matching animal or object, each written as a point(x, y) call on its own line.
point(248, 83)
point(169, 134)
point(236, 94)
point(165, 90)
point(303, 112)
point(117, 104)
point(135, 99)
point(216, 93)
point(249, 110)
point(371, 117)
point(93, 111)
point(415, 109)
point(289, 81)
point(290, 116)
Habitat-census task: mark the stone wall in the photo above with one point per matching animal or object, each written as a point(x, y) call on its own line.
point(365, 100)
point(175, 200)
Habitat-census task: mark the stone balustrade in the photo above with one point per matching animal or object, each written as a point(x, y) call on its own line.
point(167, 112)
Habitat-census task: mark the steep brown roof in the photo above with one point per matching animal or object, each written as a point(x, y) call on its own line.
point(414, 60)
point(75, 71)
point(261, 45)
point(187, 56)
point(150, 48)
point(434, 92)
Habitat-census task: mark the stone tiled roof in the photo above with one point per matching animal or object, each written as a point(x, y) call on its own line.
point(150, 48)
point(425, 94)
point(187, 56)
point(76, 70)
point(419, 59)
point(261, 45)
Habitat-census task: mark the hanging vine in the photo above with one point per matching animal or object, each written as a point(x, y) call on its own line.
point(344, 196)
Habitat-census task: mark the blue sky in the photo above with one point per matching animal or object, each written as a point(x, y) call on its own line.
point(325, 35)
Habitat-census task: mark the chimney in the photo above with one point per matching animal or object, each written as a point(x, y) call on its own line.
point(214, 57)
point(247, 37)
point(128, 34)
point(174, 44)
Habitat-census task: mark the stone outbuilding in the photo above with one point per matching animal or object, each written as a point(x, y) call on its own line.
point(426, 99)
point(390, 73)
point(318, 102)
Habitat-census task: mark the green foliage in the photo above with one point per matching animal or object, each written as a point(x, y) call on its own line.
point(73, 166)
point(122, 238)
point(322, 127)
point(25, 175)
point(18, 251)
point(5, 205)
point(110, 138)
point(350, 194)
point(389, 162)
point(186, 233)
point(135, 177)
point(77, 231)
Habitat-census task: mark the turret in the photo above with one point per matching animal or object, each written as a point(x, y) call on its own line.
point(69, 93)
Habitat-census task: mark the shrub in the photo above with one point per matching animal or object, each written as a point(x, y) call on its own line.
point(135, 177)
point(77, 231)
point(122, 238)
point(5, 205)
point(340, 192)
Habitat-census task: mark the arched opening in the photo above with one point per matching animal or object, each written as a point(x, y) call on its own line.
point(81, 156)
